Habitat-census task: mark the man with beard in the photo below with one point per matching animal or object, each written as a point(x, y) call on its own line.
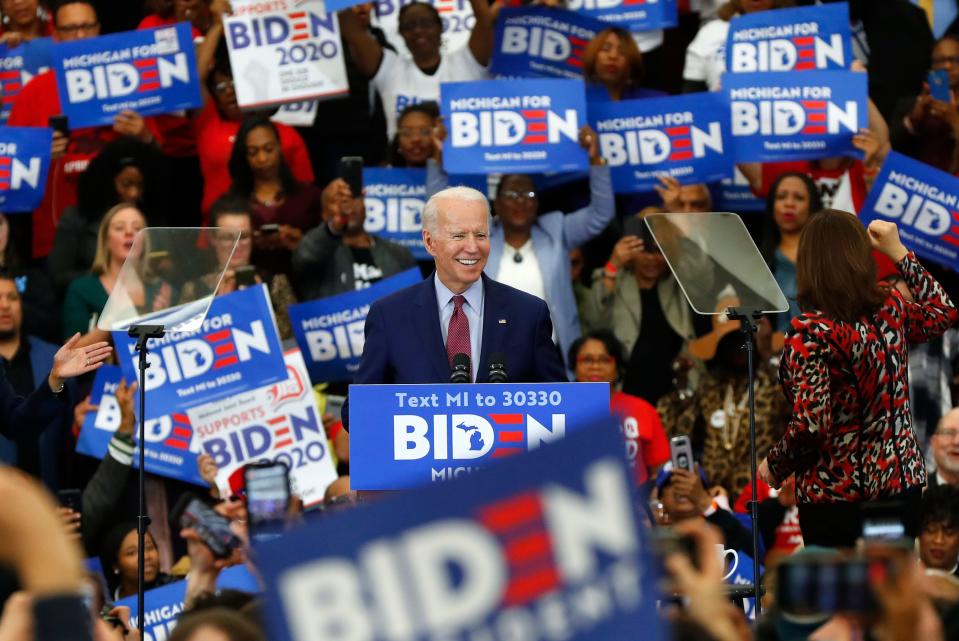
point(945, 450)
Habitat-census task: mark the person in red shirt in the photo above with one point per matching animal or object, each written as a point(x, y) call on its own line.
point(598, 357)
point(218, 122)
point(71, 152)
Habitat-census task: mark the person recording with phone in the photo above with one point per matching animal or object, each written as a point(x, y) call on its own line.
point(850, 441)
point(339, 255)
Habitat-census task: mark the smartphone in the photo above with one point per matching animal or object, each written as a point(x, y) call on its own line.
point(214, 529)
point(267, 498)
point(269, 228)
point(681, 451)
point(245, 275)
point(334, 405)
point(351, 171)
point(72, 499)
point(59, 123)
point(813, 585)
point(882, 522)
point(938, 80)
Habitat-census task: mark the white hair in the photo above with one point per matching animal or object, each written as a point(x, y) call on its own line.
point(462, 194)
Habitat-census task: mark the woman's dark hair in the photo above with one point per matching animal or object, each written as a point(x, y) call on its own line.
point(110, 550)
point(234, 625)
point(734, 7)
point(240, 172)
point(428, 108)
point(940, 505)
point(613, 347)
point(96, 192)
point(835, 270)
point(426, 5)
point(228, 203)
point(771, 236)
point(634, 57)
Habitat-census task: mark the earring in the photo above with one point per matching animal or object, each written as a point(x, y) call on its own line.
point(116, 571)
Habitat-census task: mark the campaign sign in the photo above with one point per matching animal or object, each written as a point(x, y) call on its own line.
point(278, 422)
point(24, 161)
point(165, 604)
point(296, 114)
point(330, 330)
point(235, 350)
point(799, 39)
point(284, 51)
point(632, 15)
point(542, 41)
point(407, 435)
point(528, 126)
point(923, 202)
point(456, 15)
point(543, 546)
point(152, 71)
point(171, 450)
point(679, 136)
point(776, 117)
point(735, 194)
point(394, 201)
point(18, 66)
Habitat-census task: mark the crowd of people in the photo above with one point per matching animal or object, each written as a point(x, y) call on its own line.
point(854, 385)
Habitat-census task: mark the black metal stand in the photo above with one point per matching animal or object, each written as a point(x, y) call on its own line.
point(142, 333)
point(748, 319)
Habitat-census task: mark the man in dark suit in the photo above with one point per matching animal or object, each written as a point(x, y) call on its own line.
point(413, 334)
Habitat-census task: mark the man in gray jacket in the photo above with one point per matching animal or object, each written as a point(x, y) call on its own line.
point(339, 256)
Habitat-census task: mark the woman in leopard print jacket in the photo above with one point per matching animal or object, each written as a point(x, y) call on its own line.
point(843, 370)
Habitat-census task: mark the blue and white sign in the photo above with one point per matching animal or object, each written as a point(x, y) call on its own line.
point(394, 201)
point(407, 435)
point(797, 39)
point(735, 194)
point(544, 546)
point(152, 71)
point(923, 202)
point(171, 449)
point(18, 66)
point(633, 15)
point(24, 161)
point(542, 41)
point(329, 330)
point(777, 117)
point(165, 604)
point(680, 136)
point(529, 126)
point(237, 349)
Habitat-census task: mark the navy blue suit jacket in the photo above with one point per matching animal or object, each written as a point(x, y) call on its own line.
point(404, 342)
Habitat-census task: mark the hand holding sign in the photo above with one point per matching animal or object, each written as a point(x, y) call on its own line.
point(130, 123)
point(884, 236)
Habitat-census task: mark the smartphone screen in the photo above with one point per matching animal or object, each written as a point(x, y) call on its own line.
point(938, 80)
point(212, 528)
point(267, 499)
point(351, 171)
point(681, 451)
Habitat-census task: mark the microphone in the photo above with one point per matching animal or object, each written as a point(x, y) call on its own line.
point(497, 369)
point(461, 369)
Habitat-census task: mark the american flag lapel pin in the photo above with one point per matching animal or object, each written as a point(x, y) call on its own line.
point(502, 321)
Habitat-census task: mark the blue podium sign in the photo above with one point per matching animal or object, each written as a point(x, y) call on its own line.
point(407, 435)
point(542, 546)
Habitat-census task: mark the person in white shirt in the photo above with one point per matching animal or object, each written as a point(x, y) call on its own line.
point(401, 82)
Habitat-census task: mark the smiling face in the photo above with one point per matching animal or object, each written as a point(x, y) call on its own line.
point(421, 31)
point(516, 203)
point(945, 443)
point(460, 243)
point(791, 206)
point(126, 561)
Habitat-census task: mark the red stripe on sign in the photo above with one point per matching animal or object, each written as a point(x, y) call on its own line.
point(534, 140)
point(954, 230)
point(526, 548)
point(181, 418)
point(4, 173)
point(804, 41)
point(536, 126)
point(444, 9)
point(286, 443)
point(182, 431)
point(511, 437)
point(145, 62)
point(578, 42)
point(632, 2)
point(9, 75)
point(299, 15)
point(681, 155)
point(149, 74)
point(813, 104)
point(225, 362)
point(574, 62)
point(952, 240)
point(176, 444)
point(512, 512)
point(224, 348)
point(814, 129)
point(274, 421)
point(682, 143)
point(300, 36)
point(8, 99)
point(283, 431)
point(807, 53)
point(502, 452)
point(6, 160)
point(955, 215)
point(507, 419)
point(803, 66)
point(523, 590)
point(216, 337)
point(148, 86)
point(4, 185)
point(300, 25)
point(816, 117)
point(677, 131)
point(533, 114)
point(12, 86)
